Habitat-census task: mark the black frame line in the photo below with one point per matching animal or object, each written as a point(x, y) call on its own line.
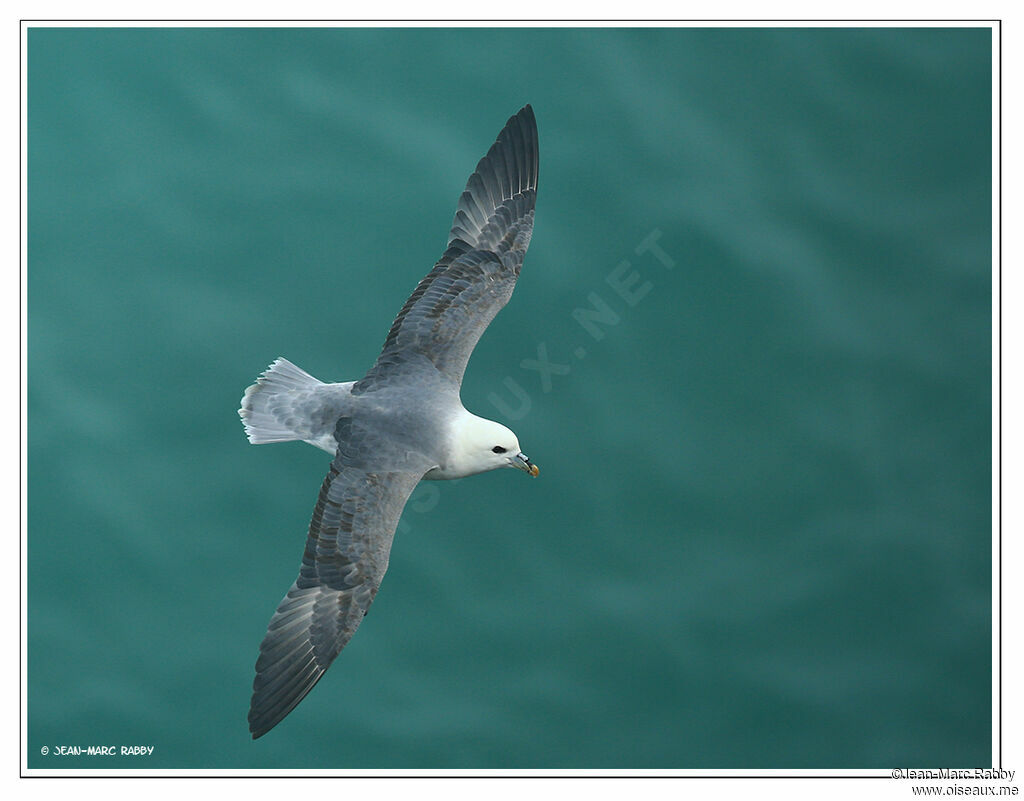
point(24, 23)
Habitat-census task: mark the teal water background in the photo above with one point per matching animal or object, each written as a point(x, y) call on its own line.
point(761, 536)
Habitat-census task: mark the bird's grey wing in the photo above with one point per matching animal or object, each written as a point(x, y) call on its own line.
point(445, 316)
point(344, 561)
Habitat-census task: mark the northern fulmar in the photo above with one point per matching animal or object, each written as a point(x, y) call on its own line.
point(401, 423)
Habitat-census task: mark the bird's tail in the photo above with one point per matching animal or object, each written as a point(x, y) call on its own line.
point(268, 405)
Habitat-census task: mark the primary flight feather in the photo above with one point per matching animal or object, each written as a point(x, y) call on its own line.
point(401, 423)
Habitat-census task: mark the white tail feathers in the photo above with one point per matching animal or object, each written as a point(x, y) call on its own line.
point(273, 408)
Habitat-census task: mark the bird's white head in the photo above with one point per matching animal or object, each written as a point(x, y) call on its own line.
point(479, 445)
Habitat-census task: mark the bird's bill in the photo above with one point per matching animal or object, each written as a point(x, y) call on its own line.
point(522, 461)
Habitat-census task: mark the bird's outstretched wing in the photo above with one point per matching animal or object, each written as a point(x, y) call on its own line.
point(345, 558)
point(445, 316)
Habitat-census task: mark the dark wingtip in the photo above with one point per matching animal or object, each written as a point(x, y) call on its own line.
point(258, 727)
point(255, 729)
point(262, 719)
point(266, 711)
point(526, 114)
point(518, 142)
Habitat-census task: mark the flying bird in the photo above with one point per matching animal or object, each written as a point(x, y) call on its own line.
point(401, 423)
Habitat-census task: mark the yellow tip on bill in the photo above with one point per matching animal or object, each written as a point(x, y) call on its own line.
point(534, 470)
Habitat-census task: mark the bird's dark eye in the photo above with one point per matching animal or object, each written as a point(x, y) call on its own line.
point(498, 449)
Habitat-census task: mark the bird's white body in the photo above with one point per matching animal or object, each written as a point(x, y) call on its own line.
point(286, 403)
